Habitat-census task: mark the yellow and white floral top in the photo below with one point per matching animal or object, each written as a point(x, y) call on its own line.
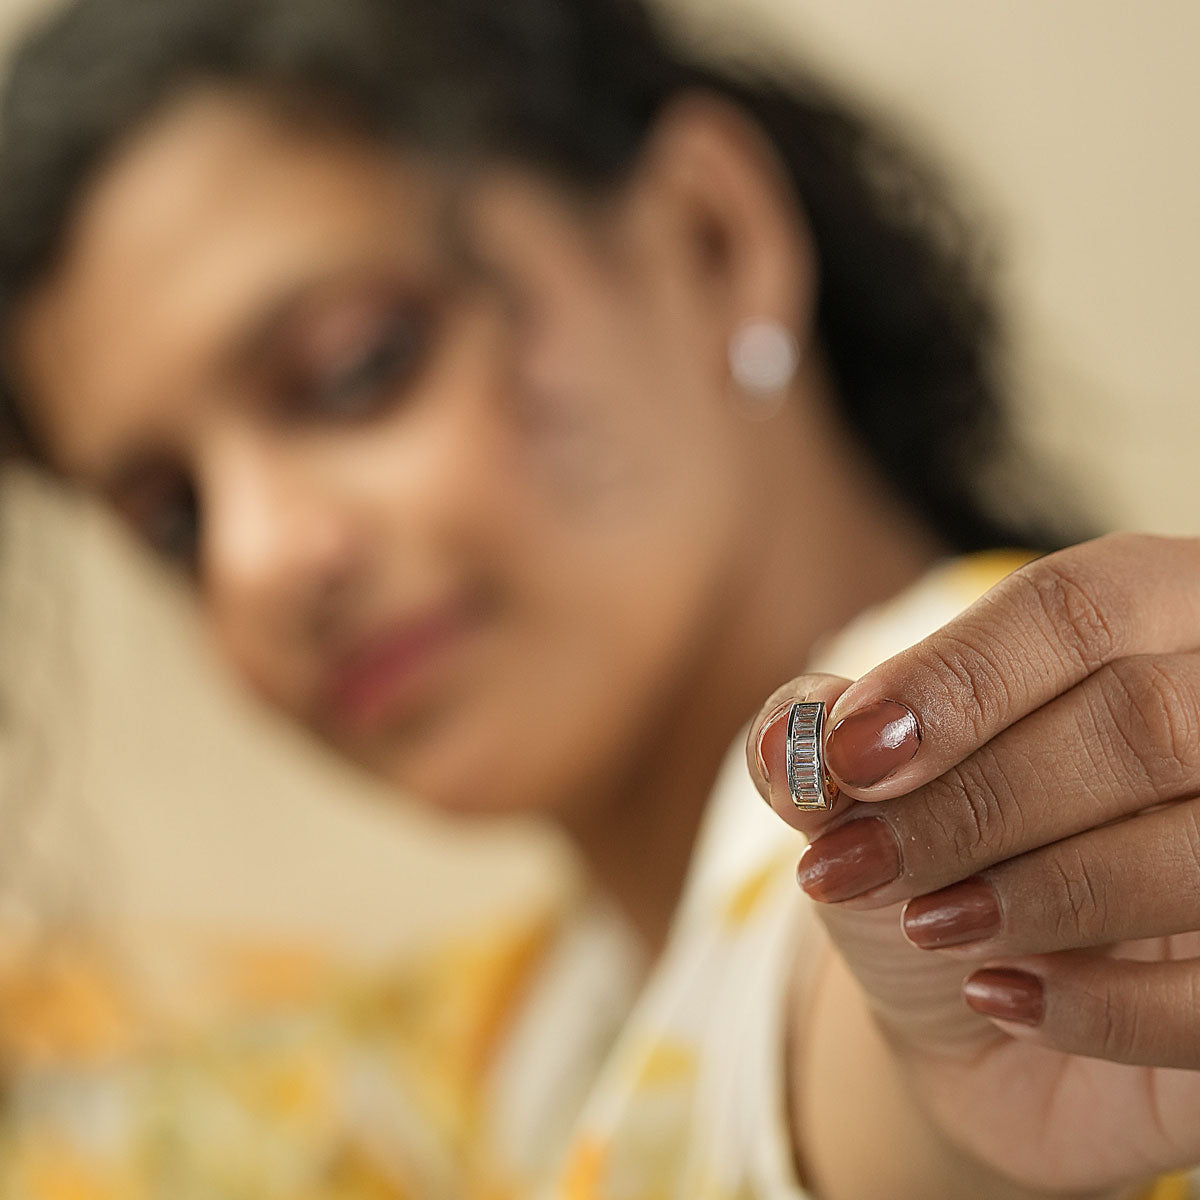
point(540, 1061)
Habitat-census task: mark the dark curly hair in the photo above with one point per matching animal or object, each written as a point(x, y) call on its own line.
point(571, 87)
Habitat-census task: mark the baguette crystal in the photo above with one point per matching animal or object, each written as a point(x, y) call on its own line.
point(807, 780)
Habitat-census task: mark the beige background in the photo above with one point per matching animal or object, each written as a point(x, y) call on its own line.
point(1073, 125)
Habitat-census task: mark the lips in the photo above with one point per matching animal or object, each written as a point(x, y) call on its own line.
point(392, 674)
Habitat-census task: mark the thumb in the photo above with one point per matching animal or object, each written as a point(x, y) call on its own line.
point(766, 750)
point(916, 994)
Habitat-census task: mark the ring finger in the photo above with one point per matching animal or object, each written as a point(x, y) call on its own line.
point(1138, 878)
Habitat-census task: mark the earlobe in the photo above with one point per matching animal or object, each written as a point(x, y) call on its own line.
point(764, 359)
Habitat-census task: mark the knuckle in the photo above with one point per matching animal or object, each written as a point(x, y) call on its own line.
point(1112, 1019)
point(1169, 1025)
point(1128, 1012)
point(1068, 600)
point(1180, 854)
point(1085, 887)
point(972, 673)
point(1156, 714)
point(1108, 758)
point(1119, 1033)
point(973, 834)
point(1188, 847)
point(971, 809)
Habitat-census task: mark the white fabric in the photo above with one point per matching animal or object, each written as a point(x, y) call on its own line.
point(692, 1100)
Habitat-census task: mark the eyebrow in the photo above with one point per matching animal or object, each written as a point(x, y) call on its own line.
point(135, 463)
point(267, 326)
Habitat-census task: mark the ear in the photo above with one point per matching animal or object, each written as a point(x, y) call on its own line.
point(719, 195)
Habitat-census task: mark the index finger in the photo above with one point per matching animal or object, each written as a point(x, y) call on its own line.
point(1035, 635)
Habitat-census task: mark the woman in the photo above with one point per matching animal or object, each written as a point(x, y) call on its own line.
point(527, 401)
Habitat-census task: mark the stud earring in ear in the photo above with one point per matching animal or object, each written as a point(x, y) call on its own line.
point(764, 357)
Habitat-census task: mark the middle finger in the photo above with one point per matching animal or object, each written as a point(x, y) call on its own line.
point(1123, 740)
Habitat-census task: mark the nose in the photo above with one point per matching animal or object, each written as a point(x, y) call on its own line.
point(279, 547)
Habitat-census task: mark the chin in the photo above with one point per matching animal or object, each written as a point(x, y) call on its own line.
point(445, 783)
point(476, 803)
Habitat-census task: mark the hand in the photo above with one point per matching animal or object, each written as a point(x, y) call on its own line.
point(1012, 871)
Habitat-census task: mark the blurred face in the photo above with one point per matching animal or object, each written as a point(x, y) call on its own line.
point(474, 518)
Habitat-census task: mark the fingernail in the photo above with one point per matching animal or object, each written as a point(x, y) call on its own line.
point(1007, 995)
point(772, 740)
point(850, 860)
point(867, 746)
point(955, 916)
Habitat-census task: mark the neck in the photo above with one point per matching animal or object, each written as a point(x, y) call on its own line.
point(804, 580)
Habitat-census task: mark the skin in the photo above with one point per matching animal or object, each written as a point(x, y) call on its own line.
point(566, 433)
point(389, 393)
point(1060, 765)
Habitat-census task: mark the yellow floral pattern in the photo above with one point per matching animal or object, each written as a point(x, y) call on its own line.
point(321, 1084)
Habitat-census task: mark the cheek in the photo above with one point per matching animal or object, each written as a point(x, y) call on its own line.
point(594, 498)
point(261, 664)
point(613, 556)
point(595, 645)
point(618, 419)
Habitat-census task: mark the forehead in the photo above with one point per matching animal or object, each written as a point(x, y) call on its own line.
point(195, 229)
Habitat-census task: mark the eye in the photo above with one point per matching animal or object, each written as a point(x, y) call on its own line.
point(365, 374)
point(165, 514)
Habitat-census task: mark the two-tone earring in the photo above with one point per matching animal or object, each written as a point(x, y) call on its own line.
point(764, 358)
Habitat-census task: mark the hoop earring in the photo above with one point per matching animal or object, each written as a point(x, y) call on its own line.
point(764, 358)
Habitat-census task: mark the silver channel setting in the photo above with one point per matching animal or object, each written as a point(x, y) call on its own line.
point(805, 768)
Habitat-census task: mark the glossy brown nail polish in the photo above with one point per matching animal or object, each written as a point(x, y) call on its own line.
point(867, 746)
point(955, 916)
point(850, 860)
point(1007, 995)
